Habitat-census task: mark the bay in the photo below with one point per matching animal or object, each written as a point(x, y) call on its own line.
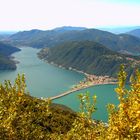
point(43, 79)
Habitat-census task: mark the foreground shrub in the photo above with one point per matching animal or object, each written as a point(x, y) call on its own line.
point(124, 119)
point(26, 117)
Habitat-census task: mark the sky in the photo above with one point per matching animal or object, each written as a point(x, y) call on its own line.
point(48, 14)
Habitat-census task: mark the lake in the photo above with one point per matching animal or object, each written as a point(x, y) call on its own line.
point(45, 80)
point(105, 95)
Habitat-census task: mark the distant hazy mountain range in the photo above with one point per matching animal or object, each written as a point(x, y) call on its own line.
point(51, 38)
point(119, 30)
point(90, 57)
point(5, 51)
point(69, 28)
point(135, 32)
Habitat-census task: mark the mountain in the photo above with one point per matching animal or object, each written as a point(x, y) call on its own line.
point(89, 57)
point(7, 49)
point(69, 28)
point(38, 38)
point(119, 30)
point(5, 61)
point(135, 32)
point(24, 35)
point(5, 34)
point(51, 38)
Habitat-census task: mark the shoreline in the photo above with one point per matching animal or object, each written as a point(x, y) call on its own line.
point(88, 81)
point(14, 60)
point(74, 90)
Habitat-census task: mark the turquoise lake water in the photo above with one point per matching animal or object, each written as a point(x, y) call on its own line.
point(45, 80)
point(105, 95)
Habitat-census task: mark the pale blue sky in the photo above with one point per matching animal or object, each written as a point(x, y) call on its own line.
point(47, 14)
point(120, 1)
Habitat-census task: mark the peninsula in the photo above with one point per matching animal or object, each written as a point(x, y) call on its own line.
point(89, 81)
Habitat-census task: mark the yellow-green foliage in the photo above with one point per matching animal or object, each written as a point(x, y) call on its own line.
point(24, 117)
point(124, 119)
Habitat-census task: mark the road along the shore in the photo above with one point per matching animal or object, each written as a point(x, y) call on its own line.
point(77, 89)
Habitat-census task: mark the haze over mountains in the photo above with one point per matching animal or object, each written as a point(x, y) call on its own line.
point(135, 32)
point(119, 30)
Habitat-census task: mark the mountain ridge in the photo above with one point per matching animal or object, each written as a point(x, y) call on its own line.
point(89, 57)
point(51, 38)
point(135, 32)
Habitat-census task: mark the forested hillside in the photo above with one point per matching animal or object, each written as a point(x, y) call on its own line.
point(51, 38)
point(5, 51)
point(135, 32)
point(89, 57)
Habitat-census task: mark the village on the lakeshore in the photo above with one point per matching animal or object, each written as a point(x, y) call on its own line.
point(92, 80)
point(89, 80)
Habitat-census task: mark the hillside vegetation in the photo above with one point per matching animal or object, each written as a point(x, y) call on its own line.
point(89, 57)
point(6, 63)
point(135, 32)
point(38, 38)
point(5, 51)
point(50, 38)
point(26, 117)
